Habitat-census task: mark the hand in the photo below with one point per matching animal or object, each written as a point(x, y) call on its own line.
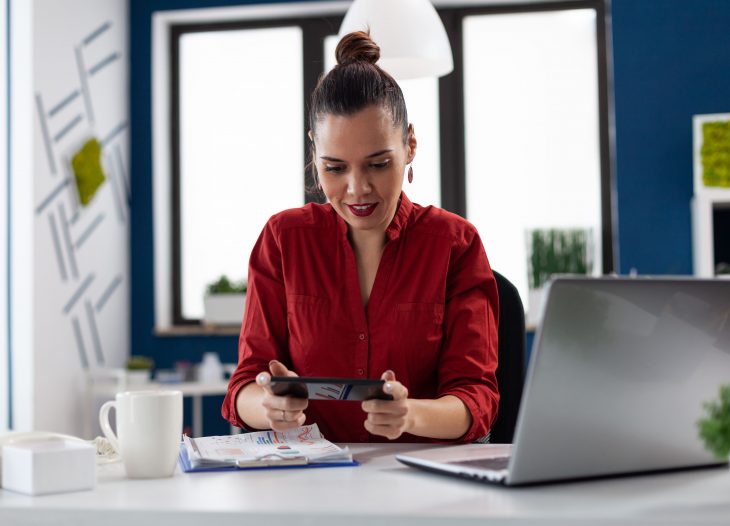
point(282, 412)
point(388, 418)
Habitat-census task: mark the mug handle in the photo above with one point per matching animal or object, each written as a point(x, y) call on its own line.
point(104, 423)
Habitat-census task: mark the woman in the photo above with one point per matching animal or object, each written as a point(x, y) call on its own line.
point(368, 285)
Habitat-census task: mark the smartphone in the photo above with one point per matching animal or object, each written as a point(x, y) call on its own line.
point(329, 388)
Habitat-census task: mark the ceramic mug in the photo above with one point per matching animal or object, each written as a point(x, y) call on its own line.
point(149, 427)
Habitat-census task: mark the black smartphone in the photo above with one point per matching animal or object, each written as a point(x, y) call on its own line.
point(329, 388)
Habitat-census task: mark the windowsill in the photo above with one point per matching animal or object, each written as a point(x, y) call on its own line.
point(198, 330)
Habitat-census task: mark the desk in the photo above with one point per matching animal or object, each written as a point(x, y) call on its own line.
point(196, 390)
point(380, 491)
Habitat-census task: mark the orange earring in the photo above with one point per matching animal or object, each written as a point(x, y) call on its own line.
point(410, 174)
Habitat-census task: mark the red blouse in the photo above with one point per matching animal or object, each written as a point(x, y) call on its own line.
point(431, 316)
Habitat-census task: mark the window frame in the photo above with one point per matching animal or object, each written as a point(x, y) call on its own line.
point(314, 31)
point(453, 140)
point(315, 28)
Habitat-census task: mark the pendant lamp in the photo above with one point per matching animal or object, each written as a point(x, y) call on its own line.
point(412, 40)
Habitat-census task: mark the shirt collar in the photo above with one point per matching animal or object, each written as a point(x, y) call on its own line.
point(401, 217)
point(397, 225)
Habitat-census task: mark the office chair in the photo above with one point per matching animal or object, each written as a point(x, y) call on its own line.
point(511, 369)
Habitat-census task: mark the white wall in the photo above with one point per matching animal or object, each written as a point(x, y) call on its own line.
point(4, 373)
point(70, 263)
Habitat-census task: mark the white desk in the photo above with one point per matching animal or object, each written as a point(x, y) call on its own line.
point(195, 390)
point(380, 491)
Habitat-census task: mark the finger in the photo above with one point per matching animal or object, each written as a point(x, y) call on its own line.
point(284, 403)
point(386, 420)
point(277, 368)
point(283, 426)
point(388, 376)
point(388, 432)
point(395, 389)
point(395, 407)
point(279, 415)
point(263, 379)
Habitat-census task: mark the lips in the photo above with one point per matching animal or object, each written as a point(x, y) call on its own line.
point(362, 209)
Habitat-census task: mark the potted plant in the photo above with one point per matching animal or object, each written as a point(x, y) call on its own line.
point(714, 426)
point(554, 251)
point(139, 369)
point(224, 302)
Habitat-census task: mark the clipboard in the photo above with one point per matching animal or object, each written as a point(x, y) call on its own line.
point(265, 463)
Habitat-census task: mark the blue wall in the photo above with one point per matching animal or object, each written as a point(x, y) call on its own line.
point(671, 60)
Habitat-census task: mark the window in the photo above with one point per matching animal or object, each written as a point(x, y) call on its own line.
point(515, 138)
point(241, 120)
point(532, 141)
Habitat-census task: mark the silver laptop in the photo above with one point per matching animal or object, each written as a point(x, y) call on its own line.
point(619, 373)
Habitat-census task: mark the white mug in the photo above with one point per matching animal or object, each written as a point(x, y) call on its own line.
point(149, 427)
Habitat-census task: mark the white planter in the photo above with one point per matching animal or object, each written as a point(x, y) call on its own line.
point(534, 307)
point(224, 309)
point(137, 376)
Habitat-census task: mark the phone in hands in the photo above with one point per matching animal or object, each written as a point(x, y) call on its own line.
point(329, 388)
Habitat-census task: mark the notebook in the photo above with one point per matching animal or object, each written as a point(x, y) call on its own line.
point(620, 370)
point(300, 447)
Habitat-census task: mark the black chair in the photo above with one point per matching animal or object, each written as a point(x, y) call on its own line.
point(511, 369)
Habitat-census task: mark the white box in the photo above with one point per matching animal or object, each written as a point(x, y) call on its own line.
point(52, 466)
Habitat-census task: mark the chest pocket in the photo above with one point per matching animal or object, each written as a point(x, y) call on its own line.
point(307, 320)
point(420, 330)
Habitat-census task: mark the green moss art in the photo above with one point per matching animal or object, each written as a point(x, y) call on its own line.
point(715, 154)
point(557, 251)
point(89, 174)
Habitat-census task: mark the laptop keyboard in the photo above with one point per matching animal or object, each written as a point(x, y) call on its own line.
point(495, 463)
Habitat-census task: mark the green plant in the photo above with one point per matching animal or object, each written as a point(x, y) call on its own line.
point(225, 286)
point(140, 363)
point(556, 251)
point(714, 427)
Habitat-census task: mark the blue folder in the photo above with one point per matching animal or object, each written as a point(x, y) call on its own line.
point(186, 466)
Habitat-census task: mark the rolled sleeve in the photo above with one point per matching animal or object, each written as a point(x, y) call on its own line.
point(468, 359)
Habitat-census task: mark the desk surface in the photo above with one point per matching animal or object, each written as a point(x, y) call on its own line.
point(380, 491)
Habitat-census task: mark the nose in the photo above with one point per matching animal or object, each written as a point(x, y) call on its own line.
point(358, 183)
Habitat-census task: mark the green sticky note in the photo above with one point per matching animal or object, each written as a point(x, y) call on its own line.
point(716, 153)
point(88, 171)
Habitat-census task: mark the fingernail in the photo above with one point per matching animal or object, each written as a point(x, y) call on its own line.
point(272, 362)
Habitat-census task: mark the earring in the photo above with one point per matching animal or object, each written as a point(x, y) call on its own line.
point(410, 174)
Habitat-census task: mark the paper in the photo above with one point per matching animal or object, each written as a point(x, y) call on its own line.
point(304, 442)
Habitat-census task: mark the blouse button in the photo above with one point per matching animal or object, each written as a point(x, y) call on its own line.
point(362, 336)
point(360, 372)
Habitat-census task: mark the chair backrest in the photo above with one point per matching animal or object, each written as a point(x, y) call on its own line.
point(511, 369)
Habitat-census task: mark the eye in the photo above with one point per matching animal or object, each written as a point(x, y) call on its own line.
point(381, 164)
point(334, 169)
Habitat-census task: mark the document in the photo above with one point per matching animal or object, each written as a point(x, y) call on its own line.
point(303, 446)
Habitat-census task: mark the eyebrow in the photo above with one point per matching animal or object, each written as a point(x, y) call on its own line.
point(374, 154)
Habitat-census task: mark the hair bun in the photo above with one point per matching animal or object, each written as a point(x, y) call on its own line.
point(357, 47)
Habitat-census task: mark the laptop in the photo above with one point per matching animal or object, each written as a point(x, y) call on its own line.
point(620, 370)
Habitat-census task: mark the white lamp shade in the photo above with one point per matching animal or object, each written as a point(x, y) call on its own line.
point(412, 40)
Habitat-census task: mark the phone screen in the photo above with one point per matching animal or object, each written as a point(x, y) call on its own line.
point(329, 388)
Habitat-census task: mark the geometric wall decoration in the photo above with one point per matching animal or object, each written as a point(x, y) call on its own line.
point(81, 248)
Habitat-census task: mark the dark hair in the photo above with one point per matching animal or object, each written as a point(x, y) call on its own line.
point(355, 83)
